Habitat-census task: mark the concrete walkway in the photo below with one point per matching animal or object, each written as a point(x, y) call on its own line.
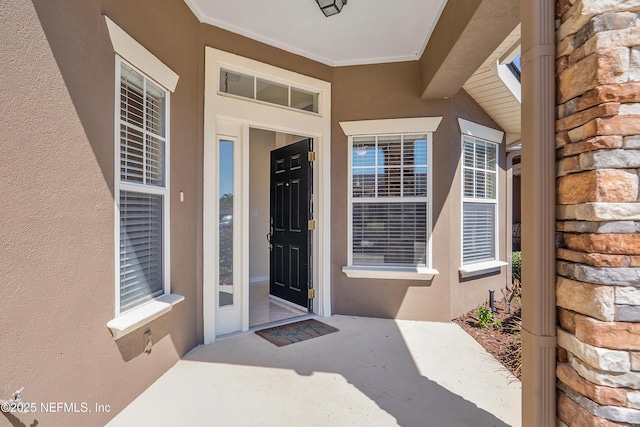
point(373, 372)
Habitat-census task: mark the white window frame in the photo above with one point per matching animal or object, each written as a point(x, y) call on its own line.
point(492, 136)
point(372, 128)
point(130, 52)
point(122, 185)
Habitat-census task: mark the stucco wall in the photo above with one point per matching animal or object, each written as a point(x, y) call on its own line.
point(57, 246)
point(387, 91)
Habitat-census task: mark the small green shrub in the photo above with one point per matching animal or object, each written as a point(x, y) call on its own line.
point(516, 263)
point(485, 318)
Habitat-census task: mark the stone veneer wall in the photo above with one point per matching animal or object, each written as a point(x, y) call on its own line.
point(598, 212)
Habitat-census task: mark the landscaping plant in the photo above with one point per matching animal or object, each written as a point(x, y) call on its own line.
point(485, 318)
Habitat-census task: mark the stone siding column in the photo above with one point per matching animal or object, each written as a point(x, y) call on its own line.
point(598, 212)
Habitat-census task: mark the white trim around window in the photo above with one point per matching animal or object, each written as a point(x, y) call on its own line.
point(128, 48)
point(390, 202)
point(480, 190)
point(141, 190)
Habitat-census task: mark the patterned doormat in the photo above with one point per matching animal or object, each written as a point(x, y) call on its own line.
point(296, 332)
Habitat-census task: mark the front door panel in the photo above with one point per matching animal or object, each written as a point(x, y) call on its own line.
point(290, 206)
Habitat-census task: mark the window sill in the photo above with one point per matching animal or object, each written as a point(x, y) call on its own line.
point(398, 273)
point(140, 316)
point(477, 269)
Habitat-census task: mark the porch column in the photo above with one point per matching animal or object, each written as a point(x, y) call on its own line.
point(538, 217)
point(598, 142)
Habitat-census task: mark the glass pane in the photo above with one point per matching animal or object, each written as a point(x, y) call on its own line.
point(480, 185)
point(225, 226)
point(491, 185)
point(363, 167)
point(155, 161)
point(481, 155)
point(131, 154)
point(415, 165)
point(478, 232)
point(391, 147)
point(236, 83)
point(141, 268)
point(155, 109)
point(491, 157)
point(468, 153)
point(390, 160)
point(389, 233)
point(303, 100)
point(468, 183)
point(131, 96)
point(364, 152)
point(364, 183)
point(273, 93)
point(389, 182)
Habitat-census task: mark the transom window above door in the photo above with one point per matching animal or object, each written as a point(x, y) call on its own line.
point(265, 90)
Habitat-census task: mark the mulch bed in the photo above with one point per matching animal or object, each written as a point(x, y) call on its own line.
point(503, 343)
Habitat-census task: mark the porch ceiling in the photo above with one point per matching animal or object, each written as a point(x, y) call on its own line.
point(365, 32)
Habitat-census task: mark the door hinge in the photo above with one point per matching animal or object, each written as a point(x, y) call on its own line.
point(312, 224)
point(312, 156)
point(312, 293)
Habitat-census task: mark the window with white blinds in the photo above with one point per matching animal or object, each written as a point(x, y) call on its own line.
point(479, 202)
point(389, 224)
point(142, 187)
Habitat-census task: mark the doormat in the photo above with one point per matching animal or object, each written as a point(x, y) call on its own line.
point(296, 332)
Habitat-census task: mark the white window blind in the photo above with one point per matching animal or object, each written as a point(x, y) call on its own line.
point(389, 221)
point(143, 193)
point(479, 207)
point(141, 247)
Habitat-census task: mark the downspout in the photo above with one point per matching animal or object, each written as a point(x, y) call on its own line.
point(509, 215)
point(538, 214)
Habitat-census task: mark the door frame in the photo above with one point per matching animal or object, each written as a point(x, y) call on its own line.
point(229, 117)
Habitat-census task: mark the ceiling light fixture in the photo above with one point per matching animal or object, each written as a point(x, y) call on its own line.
point(331, 7)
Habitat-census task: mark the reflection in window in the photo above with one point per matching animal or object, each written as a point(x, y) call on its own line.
point(225, 226)
point(272, 93)
point(515, 67)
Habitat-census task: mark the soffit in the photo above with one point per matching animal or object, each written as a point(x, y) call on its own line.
point(491, 93)
point(365, 32)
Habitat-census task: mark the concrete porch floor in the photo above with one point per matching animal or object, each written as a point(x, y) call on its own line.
point(373, 372)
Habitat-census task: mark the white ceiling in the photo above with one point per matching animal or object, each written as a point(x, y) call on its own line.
point(365, 32)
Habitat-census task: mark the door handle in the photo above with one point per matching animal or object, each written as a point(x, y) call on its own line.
point(270, 233)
